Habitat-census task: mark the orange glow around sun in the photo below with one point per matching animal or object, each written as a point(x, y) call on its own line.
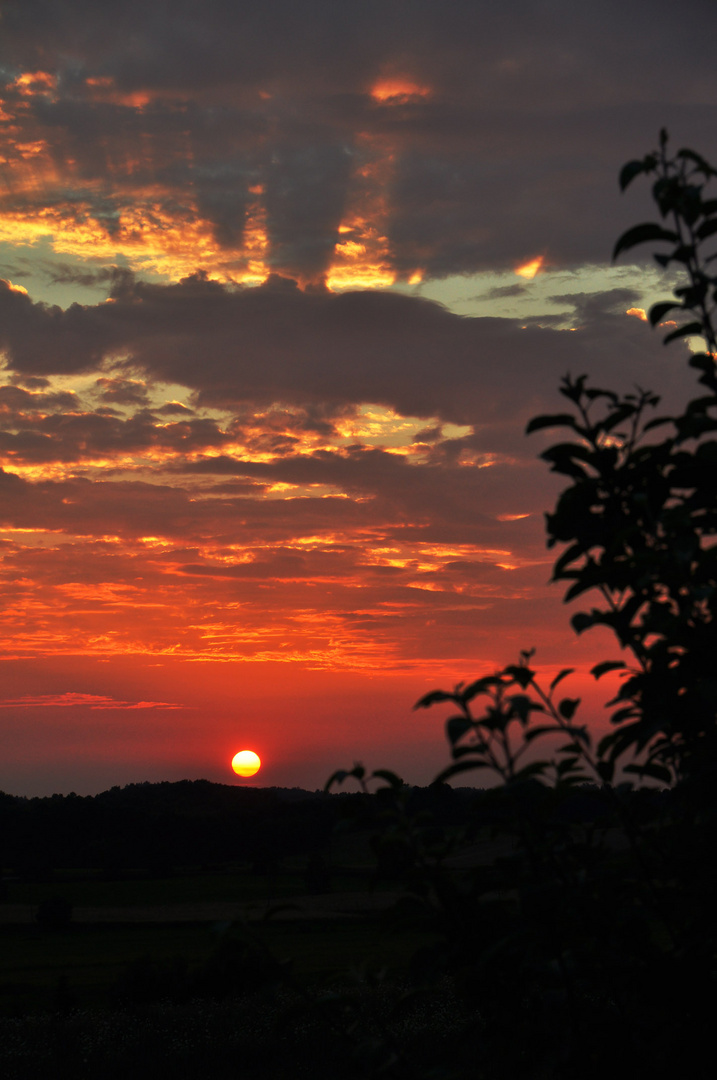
point(246, 763)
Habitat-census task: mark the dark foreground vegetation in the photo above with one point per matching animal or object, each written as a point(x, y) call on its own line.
point(336, 951)
point(262, 943)
point(558, 925)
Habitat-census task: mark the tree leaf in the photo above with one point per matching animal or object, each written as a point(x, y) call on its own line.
point(658, 311)
point(390, 777)
point(522, 675)
point(691, 155)
point(606, 770)
point(560, 676)
point(337, 777)
point(607, 665)
point(556, 420)
point(432, 698)
point(458, 767)
point(544, 729)
point(480, 686)
point(657, 772)
point(457, 727)
point(567, 707)
point(689, 329)
point(582, 621)
point(707, 228)
point(641, 234)
point(535, 768)
point(634, 168)
point(478, 747)
point(522, 706)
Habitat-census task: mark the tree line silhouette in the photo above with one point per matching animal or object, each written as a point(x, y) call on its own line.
point(161, 826)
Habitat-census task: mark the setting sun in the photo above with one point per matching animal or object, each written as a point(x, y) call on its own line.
point(246, 763)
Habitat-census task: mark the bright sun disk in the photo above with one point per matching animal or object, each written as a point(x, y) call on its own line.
point(246, 763)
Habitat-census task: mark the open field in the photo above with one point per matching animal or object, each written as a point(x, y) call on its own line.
point(84, 965)
point(183, 922)
point(241, 890)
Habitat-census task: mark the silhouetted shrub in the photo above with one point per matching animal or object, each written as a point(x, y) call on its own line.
point(589, 943)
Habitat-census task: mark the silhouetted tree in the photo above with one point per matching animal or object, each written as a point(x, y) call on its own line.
point(590, 944)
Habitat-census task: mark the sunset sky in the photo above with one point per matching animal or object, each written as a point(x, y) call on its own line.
point(282, 284)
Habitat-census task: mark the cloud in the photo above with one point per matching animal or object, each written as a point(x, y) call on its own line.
point(77, 700)
point(123, 391)
point(276, 343)
point(502, 291)
point(62, 273)
point(243, 141)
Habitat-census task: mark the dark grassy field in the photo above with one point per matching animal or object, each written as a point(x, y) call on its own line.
point(180, 922)
point(277, 996)
point(84, 965)
point(87, 888)
point(273, 964)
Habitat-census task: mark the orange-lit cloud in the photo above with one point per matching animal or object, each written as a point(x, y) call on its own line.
point(263, 538)
point(362, 256)
point(102, 88)
point(637, 313)
point(125, 212)
point(74, 701)
point(530, 269)
point(153, 240)
point(15, 288)
point(30, 83)
point(396, 90)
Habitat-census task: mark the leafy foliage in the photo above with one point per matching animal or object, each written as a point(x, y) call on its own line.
point(641, 511)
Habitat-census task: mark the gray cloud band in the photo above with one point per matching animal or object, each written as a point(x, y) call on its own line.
point(277, 343)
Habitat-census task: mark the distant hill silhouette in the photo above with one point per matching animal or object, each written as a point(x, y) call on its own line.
point(157, 827)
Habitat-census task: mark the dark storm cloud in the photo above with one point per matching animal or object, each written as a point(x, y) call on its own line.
point(532, 109)
point(43, 437)
point(503, 291)
point(60, 273)
point(326, 351)
point(82, 334)
point(122, 391)
point(16, 401)
point(211, 44)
